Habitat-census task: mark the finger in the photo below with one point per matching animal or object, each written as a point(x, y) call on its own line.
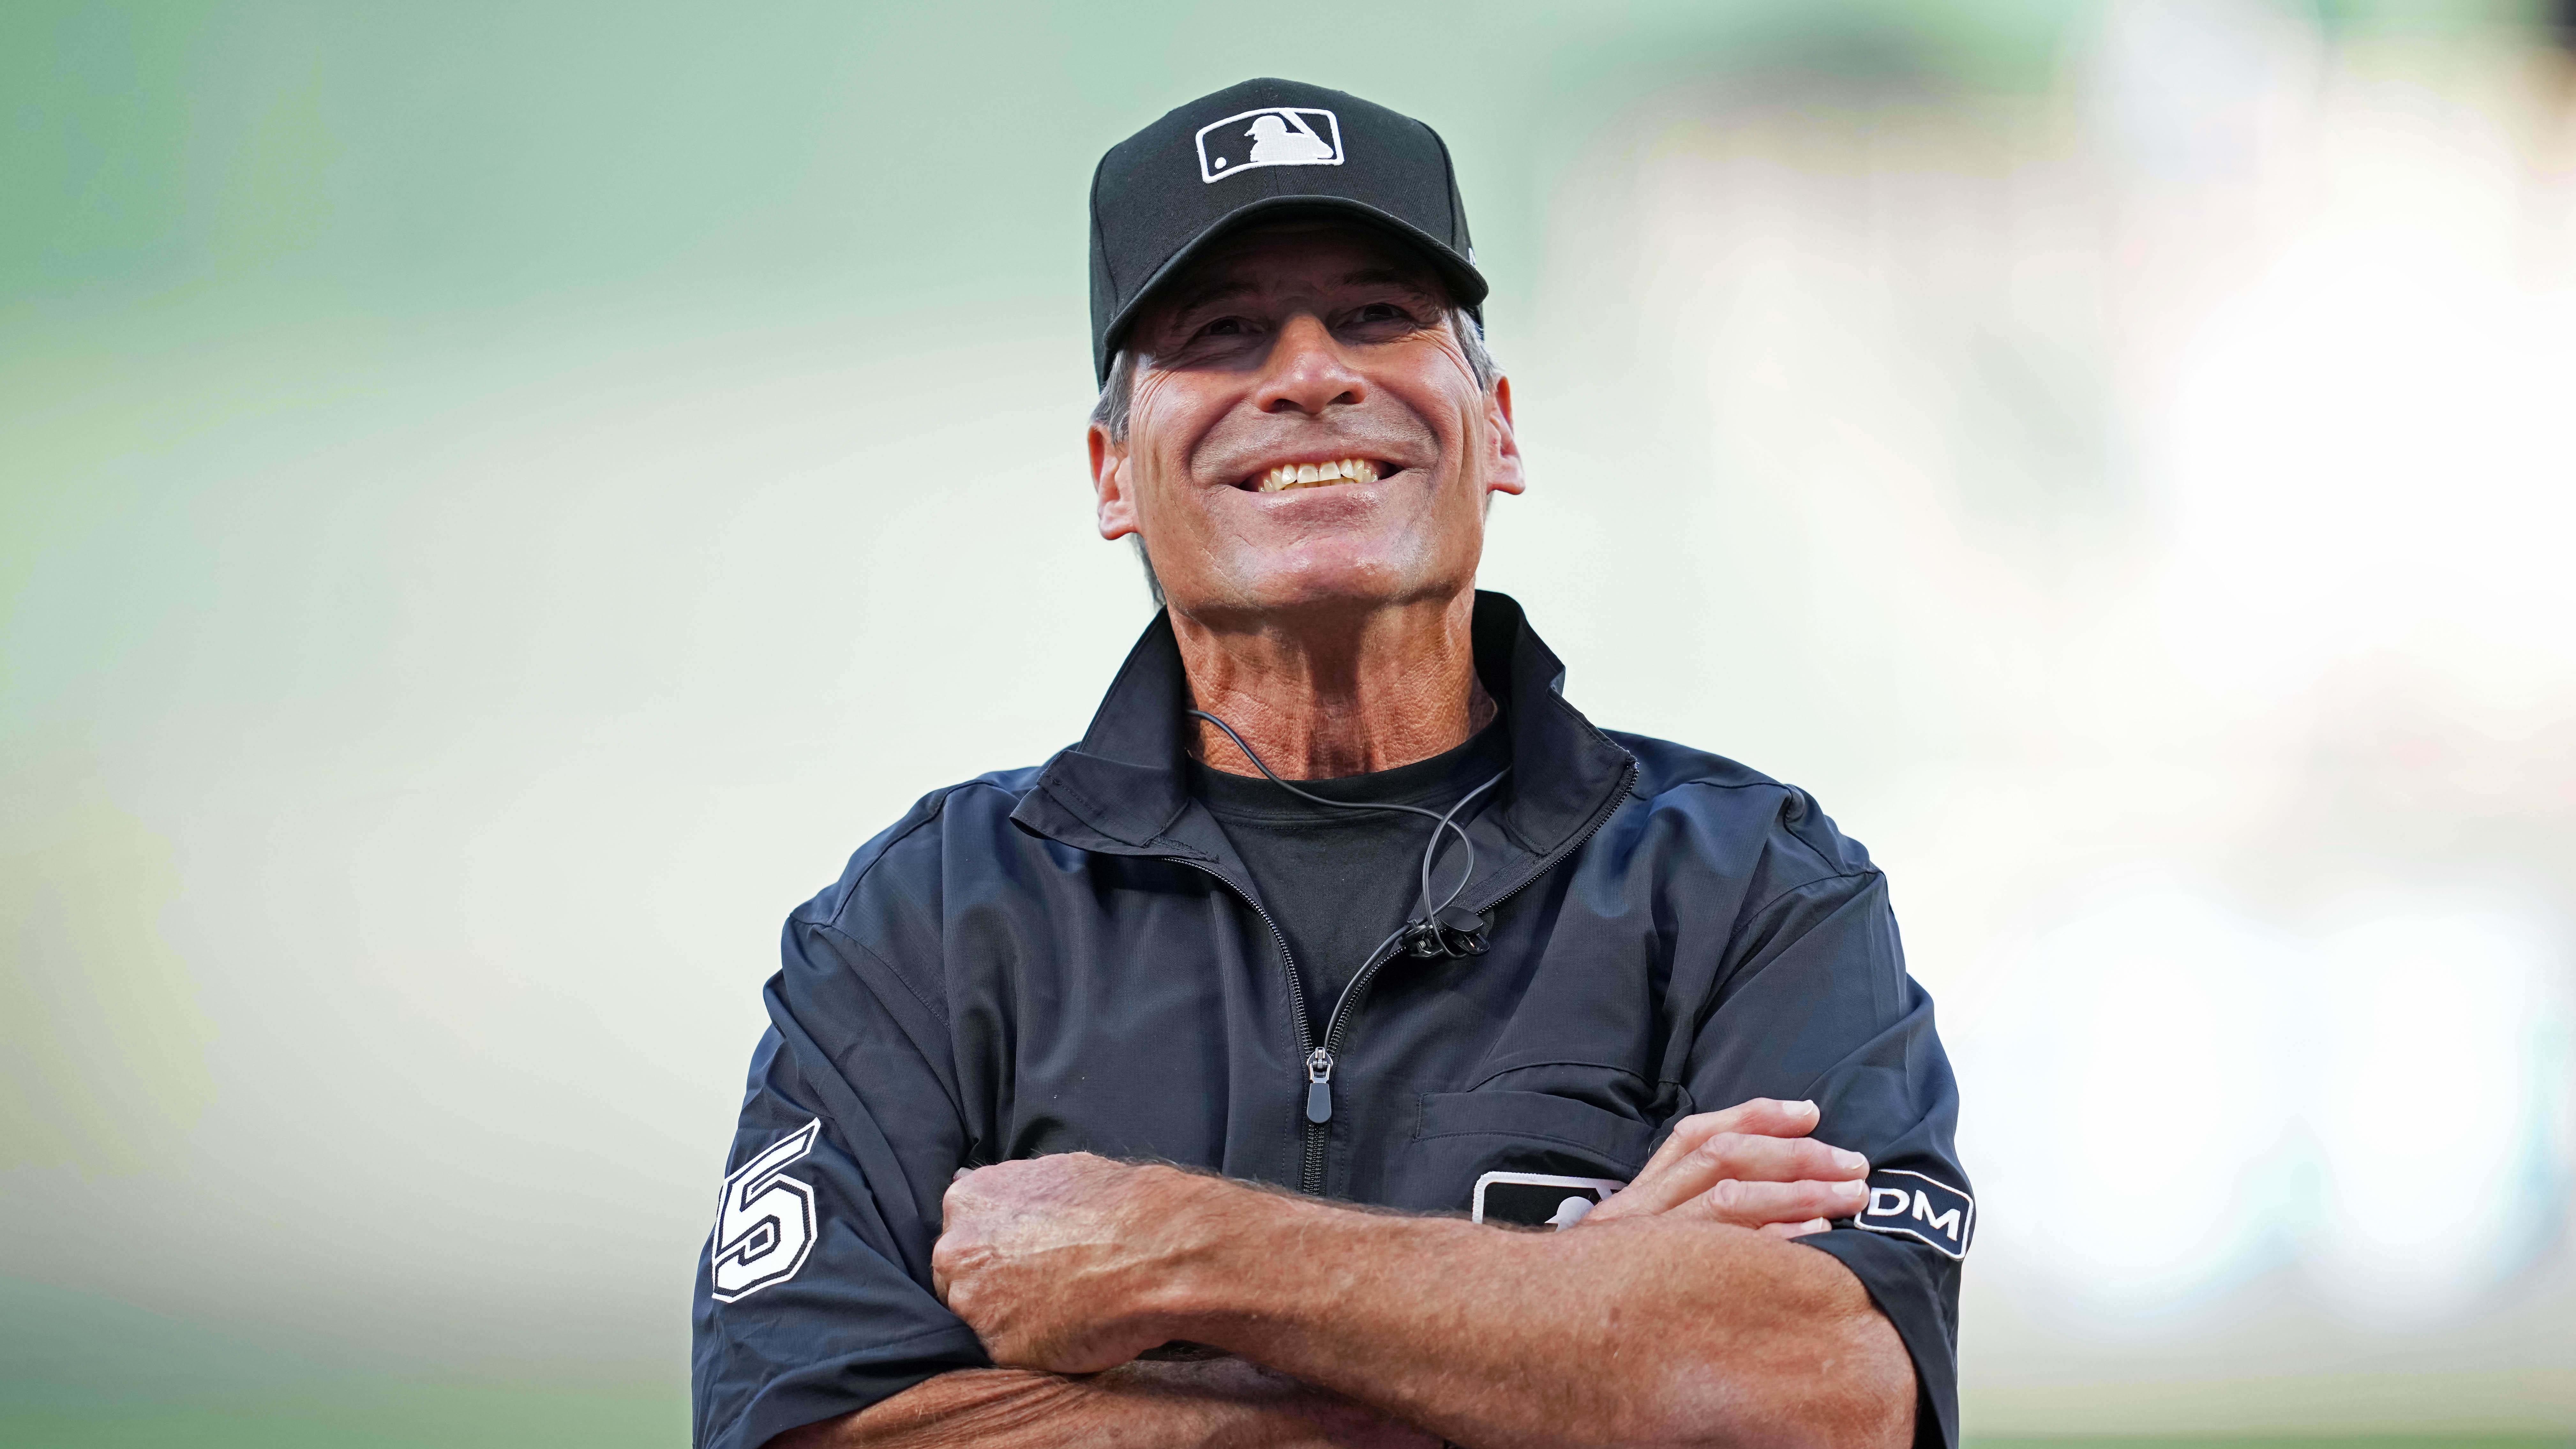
point(1758, 1117)
point(1770, 1159)
point(1736, 1156)
point(954, 1199)
point(1795, 1230)
point(1762, 1117)
point(1763, 1204)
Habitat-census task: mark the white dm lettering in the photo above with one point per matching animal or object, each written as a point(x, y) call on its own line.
point(1923, 1208)
point(1271, 136)
point(764, 1221)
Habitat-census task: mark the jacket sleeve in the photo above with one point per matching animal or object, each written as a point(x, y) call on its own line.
point(813, 1294)
point(1815, 1003)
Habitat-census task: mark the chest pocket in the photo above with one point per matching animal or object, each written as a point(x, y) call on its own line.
point(1462, 1138)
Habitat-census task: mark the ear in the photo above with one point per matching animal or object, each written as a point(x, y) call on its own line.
point(1109, 485)
point(1503, 471)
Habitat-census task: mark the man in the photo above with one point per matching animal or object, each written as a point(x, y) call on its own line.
point(1322, 1050)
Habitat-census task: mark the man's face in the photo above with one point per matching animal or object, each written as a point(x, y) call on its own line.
point(1291, 352)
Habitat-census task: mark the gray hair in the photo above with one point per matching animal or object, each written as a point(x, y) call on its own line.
point(1118, 399)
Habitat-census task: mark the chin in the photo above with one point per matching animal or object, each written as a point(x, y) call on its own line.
point(1344, 585)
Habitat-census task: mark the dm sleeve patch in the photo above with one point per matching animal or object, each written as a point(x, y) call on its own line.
point(1914, 1206)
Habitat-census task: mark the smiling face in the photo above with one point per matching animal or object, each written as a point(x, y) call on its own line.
point(1306, 437)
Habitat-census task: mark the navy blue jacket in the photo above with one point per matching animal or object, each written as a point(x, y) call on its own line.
point(1072, 958)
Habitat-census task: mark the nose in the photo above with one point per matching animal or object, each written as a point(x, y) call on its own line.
point(1307, 372)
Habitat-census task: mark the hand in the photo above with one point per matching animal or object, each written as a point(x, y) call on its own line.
point(1751, 1165)
point(1053, 1261)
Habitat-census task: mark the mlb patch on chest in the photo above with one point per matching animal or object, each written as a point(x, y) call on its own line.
point(1911, 1205)
point(1537, 1200)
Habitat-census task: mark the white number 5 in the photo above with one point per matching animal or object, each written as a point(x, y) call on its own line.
point(764, 1222)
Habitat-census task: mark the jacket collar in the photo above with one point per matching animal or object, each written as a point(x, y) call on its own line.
point(1122, 789)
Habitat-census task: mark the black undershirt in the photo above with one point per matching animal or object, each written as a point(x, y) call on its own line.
point(1338, 882)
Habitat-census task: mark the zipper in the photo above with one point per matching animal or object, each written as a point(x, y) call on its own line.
point(1600, 817)
point(1319, 1087)
point(1318, 1060)
point(1319, 1078)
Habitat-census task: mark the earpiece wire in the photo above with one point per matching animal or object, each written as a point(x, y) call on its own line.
point(1439, 823)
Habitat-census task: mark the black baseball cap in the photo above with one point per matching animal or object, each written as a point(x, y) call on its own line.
point(1264, 150)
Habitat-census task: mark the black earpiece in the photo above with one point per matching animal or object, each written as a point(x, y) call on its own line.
point(1461, 930)
point(1454, 931)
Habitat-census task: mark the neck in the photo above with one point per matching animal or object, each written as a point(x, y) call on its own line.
point(1344, 696)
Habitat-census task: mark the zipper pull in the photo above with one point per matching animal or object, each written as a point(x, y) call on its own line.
point(1319, 1086)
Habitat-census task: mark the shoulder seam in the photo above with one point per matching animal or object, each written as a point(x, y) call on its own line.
point(938, 1013)
point(833, 923)
point(940, 796)
point(1757, 911)
point(1784, 788)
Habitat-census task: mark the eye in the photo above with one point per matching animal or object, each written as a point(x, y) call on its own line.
point(1222, 327)
point(1381, 312)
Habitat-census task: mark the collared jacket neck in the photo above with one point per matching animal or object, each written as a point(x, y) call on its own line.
point(1124, 789)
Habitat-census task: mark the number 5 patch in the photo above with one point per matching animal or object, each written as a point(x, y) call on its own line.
point(1917, 1207)
point(764, 1221)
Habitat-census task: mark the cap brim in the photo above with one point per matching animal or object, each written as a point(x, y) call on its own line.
point(1466, 285)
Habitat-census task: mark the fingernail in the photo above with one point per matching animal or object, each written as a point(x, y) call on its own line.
point(1850, 1161)
point(1851, 1191)
point(1802, 1109)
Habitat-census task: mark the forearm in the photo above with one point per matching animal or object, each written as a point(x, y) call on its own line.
point(1219, 1404)
point(1645, 1331)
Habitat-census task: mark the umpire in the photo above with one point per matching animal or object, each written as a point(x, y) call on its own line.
point(1346, 1042)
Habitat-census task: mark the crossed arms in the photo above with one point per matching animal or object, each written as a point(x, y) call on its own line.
point(1678, 1313)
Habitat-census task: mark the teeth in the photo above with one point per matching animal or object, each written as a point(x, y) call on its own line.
point(1309, 475)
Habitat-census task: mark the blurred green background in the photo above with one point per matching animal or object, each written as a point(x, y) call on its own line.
point(496, 501)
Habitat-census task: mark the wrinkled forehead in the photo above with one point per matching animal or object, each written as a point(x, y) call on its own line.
point(1297, 257)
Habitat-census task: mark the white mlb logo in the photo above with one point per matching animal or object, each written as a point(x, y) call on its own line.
point(1271, 136)
point(1537, 1199)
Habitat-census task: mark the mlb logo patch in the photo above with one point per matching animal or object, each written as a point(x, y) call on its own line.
point(1911, 1205)
point(1536, 1200)
point(1271, 136)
